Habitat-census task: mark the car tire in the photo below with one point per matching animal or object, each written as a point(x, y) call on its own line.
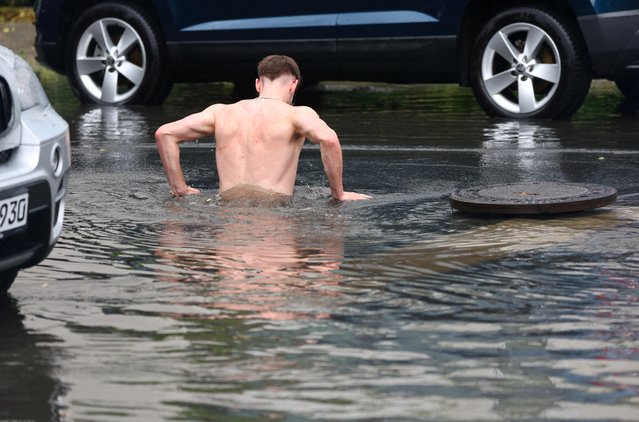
point(629, 87)
point(529, 63)
point(6, 280)
point(116, 55)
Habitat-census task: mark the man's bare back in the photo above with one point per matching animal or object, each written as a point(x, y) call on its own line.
point(258, 141)
point(257, 144)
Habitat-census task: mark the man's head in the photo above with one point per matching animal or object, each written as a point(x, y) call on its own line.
point(274, 66)
point(277, 76)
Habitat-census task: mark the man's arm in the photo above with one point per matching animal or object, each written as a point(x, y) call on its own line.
point(317, 131)
point(168, 138)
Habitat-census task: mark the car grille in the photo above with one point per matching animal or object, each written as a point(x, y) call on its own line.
point(35, 235)
point(6, 105)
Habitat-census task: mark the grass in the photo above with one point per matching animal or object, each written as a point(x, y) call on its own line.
point(10, 14)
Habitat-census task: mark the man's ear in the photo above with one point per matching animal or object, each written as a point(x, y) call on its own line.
point(258, 85)
point(294, 85)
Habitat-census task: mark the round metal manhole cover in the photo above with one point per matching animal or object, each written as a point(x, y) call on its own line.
point(533, 198)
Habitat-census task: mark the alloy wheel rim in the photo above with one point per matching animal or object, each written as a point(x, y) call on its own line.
point(111, 60)
point(521, 68)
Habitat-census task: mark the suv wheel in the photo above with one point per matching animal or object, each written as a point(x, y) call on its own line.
point(629, 87)
point(115, 56)
point(528, 62)
point(6, 280)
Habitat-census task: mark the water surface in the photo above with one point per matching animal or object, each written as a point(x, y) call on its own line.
point(154, 308)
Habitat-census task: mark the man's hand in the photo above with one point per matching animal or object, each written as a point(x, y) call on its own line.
point(187, 190)
point(354, 196)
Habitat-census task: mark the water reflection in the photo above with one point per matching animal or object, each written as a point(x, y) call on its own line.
point(154, 308)
point(108, 137)
point(111, 124)
point(29, 390)
point(256, 262)
point(521, 152)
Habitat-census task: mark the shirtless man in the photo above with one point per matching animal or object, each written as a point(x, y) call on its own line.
point(258, 141)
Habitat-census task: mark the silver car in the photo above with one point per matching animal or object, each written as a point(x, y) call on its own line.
point(34, 162)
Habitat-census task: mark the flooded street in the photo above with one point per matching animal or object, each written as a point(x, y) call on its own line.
point(394, 309)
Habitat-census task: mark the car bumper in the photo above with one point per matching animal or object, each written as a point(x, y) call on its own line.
point(30, 244)
point(28, 169)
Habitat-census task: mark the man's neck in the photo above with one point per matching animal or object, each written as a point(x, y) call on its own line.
point(274, 94)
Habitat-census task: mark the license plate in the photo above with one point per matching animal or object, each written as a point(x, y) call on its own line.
point(13, 212)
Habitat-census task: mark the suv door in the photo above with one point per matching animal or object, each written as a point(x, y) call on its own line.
point(413, 35)
point(244, 31)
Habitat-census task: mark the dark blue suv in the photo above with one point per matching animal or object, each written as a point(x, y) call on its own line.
point(532, 58)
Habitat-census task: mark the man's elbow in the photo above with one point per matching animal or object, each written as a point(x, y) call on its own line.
point(160, 134)
point(330, 140)
point(164, 137)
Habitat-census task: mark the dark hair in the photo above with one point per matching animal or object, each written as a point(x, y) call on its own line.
point(275, 66)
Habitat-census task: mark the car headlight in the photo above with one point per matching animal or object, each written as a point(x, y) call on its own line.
point(29, 90)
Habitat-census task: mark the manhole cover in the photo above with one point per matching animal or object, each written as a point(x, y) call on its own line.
point(533, 198)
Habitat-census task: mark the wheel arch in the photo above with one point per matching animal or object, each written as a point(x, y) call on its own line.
point(479, 12)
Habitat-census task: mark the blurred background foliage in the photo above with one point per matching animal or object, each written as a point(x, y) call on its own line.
point(16, 3)
point(16, 11)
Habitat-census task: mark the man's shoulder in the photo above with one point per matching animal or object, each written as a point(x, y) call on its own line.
point(215, 107)
point(227, 105)
point(304, 110)
point(303, 107)
point(220, 108)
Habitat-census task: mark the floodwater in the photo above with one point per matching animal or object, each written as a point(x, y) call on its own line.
point(395, 309)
